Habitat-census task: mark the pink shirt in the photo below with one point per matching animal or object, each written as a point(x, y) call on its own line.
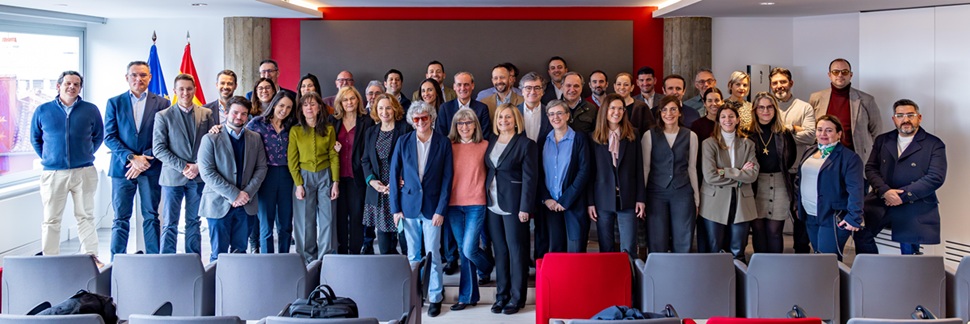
point(468, 182)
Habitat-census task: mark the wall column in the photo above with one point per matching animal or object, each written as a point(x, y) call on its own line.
point(687, 48)
point(247, 42)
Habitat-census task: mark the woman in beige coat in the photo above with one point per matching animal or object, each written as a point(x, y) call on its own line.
point(729, 168)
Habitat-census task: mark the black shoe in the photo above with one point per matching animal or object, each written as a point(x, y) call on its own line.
point(498, 306)
point(434, 309)
point(487, 279)
point(367, 249)
point(451, 268)
point(460, 306)
point(510, 309)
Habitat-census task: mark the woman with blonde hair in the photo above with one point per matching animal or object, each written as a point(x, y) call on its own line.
point(738, 86)
point(378, 143)
point(350, 122)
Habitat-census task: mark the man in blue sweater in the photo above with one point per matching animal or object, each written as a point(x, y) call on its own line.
point(65, 134)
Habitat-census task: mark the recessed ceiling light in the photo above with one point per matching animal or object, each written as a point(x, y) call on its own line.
point(767, 3)
point(200, 4)
point(61, 4)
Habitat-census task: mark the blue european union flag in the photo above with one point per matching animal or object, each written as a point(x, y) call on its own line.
point(157, 85)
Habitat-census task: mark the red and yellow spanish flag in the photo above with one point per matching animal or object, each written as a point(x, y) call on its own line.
point(188, 67)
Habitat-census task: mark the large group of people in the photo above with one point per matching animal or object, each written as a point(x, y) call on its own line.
point(459, 179)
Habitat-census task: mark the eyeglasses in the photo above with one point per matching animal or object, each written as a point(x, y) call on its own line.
point(465, 123)
point(373, 93)
point(531, 88)
point(268, 71)
point(556, 113)
point(264, 88)
point(705, 81)
point(139, 75)
point(906, 115)
point(345, 80)
point(841, 72)
point(418, 119)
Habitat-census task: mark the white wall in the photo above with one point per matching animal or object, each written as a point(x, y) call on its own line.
point(819, 40)
point(739, 42)
point(111, 46)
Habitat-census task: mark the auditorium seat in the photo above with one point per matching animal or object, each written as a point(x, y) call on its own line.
point(961, 291)
point(383, 286)
point(30, 280)
point(905, 321)
point(253, 286)
point(51, 319)
point(149, 319)
point(697, 285)
point(891, 286)
point(775, 282)
point(175, 278)
point(579, 285)
point(735, 320)
point(290, 320)
point(640, 321)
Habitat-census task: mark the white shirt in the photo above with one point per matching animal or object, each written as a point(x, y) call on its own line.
point(558, 91)
point(902, 143)
point(532, 118)
point(138, 106)
point(423, 148)
point(809, 184)
point(729, 141)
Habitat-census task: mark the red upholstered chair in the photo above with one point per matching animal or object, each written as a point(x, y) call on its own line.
point(579, 285)
point(734, 320)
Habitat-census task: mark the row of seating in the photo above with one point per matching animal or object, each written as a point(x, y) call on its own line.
point(250, 286)
point(148, 319)
point(713, 285)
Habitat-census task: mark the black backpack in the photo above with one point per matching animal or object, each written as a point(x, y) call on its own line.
point(83, 302)
point(323, 303)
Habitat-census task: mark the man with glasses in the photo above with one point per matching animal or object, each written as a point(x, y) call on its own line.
point(128, 126)
point(702, 81)
point(344, 79)
point(856, 110)
point(270, 70)
point(537, 127)
point(906, 167)
point(646, 80)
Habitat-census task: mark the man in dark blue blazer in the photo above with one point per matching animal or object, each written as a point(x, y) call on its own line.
point(906, 167)
point(226, 84)
point(464, 86)
point(128, 127)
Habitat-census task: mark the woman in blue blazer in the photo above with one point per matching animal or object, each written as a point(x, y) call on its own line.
point(617, 195)
point(512, 165)
point(830, 189)
point(565, 172)
point(421, 173)
point(375, 163)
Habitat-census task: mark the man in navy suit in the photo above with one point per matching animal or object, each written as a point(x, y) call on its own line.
point(464, 86)
point(128, 127)
point(905, 168)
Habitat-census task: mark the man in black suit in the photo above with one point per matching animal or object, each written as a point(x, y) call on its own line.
point(393, 82)
point(226, 83)
point(557, 69)
point(646, 81)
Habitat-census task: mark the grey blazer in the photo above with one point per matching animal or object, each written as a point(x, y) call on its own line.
point(865, 122)
point(217, 167)
point(171, 144)
point(716, 189)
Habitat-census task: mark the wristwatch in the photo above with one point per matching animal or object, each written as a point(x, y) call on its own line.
point(131, 157)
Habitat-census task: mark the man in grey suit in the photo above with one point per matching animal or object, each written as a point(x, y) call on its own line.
point(856, 110)
point(226, 84)
point(646, 81)
point(175, 141)
point(233, 163)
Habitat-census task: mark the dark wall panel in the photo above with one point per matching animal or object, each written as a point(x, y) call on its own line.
point(369, 48)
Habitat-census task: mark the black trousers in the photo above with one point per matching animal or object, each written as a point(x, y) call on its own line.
point(510, 241)
point(736, 234)
point(766, 235)
point(541, 232)
point(387, 243)
point(350, 217)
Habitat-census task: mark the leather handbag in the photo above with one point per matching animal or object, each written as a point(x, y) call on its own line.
point(323, 303)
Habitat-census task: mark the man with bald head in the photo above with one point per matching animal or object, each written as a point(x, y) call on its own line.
point(344, 79)
point(702, 81)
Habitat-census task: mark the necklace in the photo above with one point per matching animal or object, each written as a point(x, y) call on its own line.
point(765, 143)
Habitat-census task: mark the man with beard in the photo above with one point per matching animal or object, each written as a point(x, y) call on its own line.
point(503, 93)
point(646, 80)
point(557, 69)
point(856, 110)
point(513, 74)
point(906, 167)
point(436, 71)
point(226, 83)
point(702, 81)
point(799, 117)
point(598, 82)
point(233, 163)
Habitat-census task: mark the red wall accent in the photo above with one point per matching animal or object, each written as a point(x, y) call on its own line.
point(647, 31)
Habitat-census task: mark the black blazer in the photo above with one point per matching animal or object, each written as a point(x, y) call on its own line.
point(363, 123)
point(577, 176)
point(516, 172)
point(369, 163)
point(627, 175)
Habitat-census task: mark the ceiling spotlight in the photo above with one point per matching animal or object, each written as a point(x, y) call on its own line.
point(200, 4)
point(61, 4)
point(767, 3)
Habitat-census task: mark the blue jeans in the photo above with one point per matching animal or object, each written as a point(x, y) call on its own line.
point(825, 237)
point(172, 196)
point(229, 233)
point(122, 197)
point(275, 199)
point(909, 248)
point(420, 231)
point(467, 223)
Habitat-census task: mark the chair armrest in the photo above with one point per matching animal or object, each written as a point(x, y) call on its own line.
point(209, 289)
point(104, 280)
point(740, 293)
point(844, 284)
point(313, 275)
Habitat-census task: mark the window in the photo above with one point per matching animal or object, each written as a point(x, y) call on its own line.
point(34, 56)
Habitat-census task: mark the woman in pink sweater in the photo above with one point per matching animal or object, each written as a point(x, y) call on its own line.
point(466, 207)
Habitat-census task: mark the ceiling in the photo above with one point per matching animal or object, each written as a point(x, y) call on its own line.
point(304, 8)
